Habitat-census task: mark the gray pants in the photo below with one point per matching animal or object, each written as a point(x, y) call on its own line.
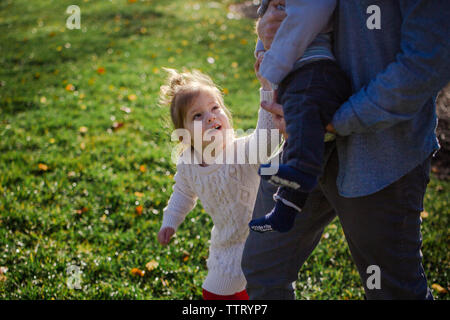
point(381, 229)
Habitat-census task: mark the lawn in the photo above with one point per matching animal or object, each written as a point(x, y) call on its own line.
point(85, 153)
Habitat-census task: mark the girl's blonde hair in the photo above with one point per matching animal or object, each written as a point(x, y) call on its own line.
point(181, 90)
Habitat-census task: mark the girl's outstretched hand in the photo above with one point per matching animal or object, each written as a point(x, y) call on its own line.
point(165, 234)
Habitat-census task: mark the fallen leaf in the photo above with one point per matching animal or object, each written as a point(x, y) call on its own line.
point(185, 256)
point(139, 210)
point(424, 214)
point(101, 70)
point(142, 168)
point(83, 129)
point(3, 270)
point(117, 125)
point(139, 194)
point(438, 288)
point(151, 265)
point(434, 169)
point(42, 167)
point(70, 87)
point(125, 109)
point(82, 210)
point(137, 272)
point(132, 97)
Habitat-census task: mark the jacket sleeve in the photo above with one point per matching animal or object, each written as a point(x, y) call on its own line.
point(305, 19)
point(420, 70)
point(181, 202)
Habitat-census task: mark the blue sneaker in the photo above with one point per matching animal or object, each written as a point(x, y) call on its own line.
point(280, 219)
point(287, 176)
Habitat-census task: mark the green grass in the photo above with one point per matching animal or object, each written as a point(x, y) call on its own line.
point(81, 208)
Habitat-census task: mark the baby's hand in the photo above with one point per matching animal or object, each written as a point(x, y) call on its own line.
point(165, 234)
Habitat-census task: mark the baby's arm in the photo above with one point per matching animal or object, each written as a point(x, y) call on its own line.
point(304, 21)
point(181, 202)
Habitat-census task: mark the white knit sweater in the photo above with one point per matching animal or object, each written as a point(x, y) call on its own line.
point(228, 193)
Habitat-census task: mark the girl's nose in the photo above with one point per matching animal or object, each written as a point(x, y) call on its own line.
point(211, 118)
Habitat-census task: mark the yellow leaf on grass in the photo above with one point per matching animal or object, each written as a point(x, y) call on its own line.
point(42, 167)
point(151, 265)
point(83, 129)
point(438, 288)
point(424, 214)
point(185, 256)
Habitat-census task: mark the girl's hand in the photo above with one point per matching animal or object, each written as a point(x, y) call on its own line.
point(264, 83)
point(165, 234)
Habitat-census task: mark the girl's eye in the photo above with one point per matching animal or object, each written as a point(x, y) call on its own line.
point(215, 107)
point(197, 115)
point(281, 7)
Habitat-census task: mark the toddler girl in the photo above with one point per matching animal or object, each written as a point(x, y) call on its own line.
point(226, 191)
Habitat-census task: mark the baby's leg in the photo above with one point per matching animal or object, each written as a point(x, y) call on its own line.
point(310, 96)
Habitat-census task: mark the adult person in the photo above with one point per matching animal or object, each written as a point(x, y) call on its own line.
point(376, 177)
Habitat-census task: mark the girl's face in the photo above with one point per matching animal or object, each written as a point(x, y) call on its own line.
point(207, 112)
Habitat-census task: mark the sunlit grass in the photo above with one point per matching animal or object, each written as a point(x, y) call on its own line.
point(85, 165)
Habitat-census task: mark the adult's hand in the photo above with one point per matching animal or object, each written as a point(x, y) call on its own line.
point(277, 114)
point(276, 110)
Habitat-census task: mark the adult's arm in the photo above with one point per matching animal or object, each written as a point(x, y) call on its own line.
point(420, 70)
point(304, 21)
